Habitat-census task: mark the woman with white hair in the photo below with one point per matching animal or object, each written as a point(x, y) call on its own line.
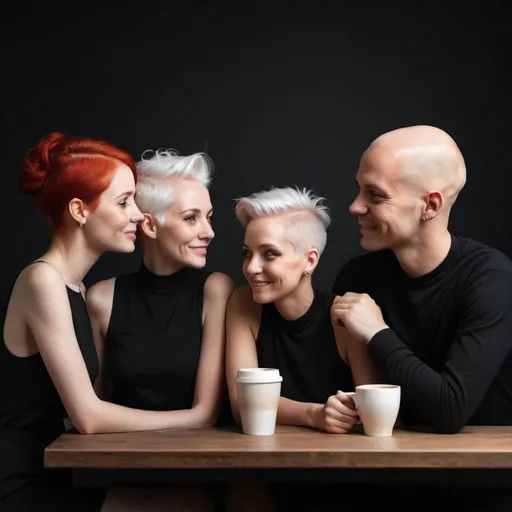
point(161, 329)
point(280, 321)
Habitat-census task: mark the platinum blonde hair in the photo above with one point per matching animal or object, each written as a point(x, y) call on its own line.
point(155, 173)
point(308, 218)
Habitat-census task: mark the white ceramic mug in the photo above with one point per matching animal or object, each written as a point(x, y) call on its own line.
point(378, 406)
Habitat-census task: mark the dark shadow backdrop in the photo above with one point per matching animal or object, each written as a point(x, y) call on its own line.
point(280, 95)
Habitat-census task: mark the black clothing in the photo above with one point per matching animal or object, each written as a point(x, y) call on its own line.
point(32, 416)
point(305, 352)
point(154, 339)
point(450, 337)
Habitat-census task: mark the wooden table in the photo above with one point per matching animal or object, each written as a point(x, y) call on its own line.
point(289, 450)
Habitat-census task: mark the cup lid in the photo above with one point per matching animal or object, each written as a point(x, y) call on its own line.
point(257, 375)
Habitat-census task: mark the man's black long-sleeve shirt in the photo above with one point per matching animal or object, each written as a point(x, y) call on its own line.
point(450, 337)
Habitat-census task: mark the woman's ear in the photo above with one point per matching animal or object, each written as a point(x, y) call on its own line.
point(149, 226)
point(312, 257)
point(78, 211)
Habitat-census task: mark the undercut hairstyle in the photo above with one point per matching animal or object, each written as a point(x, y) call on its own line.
point(306, 214)
point(156, 172)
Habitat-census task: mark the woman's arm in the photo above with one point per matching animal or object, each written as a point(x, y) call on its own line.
point(48, 317)
point(211, 371)
point(243, 319)
point(355, 354)
point(99, 300)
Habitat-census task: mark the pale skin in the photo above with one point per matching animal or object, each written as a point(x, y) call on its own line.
point(408, 179)
point(293, 295)
point(38, 317)
point(167, 248)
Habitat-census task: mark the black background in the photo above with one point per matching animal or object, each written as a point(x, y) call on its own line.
point(278, 95)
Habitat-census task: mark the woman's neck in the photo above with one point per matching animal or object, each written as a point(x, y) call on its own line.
point(70, 255)
point(158, 265)
point(296, 303)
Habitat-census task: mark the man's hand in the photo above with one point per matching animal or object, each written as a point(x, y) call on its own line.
point(359, 313)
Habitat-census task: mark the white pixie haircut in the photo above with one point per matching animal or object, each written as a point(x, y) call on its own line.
point(308, 218)
point(154, 191)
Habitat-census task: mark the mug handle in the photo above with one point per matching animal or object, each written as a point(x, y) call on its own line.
point(351, 394)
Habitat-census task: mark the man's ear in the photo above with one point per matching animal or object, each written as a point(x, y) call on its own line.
point(149, 226)
point(433, 205)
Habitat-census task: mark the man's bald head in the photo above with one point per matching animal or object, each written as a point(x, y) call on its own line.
point(426, 158)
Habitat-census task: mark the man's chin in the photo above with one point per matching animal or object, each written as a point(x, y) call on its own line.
point(371, 245)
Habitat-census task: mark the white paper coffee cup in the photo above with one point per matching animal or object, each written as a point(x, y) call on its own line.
point(258, 390)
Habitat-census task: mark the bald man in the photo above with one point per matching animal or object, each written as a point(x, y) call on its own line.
point(434, 308)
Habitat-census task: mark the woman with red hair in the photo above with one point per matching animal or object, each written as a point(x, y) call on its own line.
point(48, 361)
